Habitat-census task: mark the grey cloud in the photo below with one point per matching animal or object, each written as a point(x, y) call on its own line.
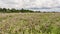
point(29, 3)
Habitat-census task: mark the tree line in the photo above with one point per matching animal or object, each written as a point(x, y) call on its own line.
point(13, 10)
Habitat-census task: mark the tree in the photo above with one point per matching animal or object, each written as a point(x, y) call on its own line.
point(4, 9)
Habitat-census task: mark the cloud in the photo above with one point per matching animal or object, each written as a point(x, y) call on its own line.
point(29, 3)
point(11, 3)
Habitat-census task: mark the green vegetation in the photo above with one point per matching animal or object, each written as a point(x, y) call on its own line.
point(4, 10)
point(29, 23)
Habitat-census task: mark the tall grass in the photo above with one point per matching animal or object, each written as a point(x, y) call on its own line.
point(29, 23)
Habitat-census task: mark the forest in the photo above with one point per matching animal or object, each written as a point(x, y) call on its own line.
point(13, 10)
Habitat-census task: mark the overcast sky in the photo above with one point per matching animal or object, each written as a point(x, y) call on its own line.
point(30, 3)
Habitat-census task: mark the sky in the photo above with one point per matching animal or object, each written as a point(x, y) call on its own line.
point(31, 4)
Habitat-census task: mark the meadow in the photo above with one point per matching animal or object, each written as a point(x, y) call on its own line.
point(29, 23)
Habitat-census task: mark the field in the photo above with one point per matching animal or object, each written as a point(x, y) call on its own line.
point(29, 23)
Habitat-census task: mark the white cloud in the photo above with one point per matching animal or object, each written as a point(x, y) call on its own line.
point(29, 3)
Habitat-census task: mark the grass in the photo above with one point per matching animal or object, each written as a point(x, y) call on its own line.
point(29, 23)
